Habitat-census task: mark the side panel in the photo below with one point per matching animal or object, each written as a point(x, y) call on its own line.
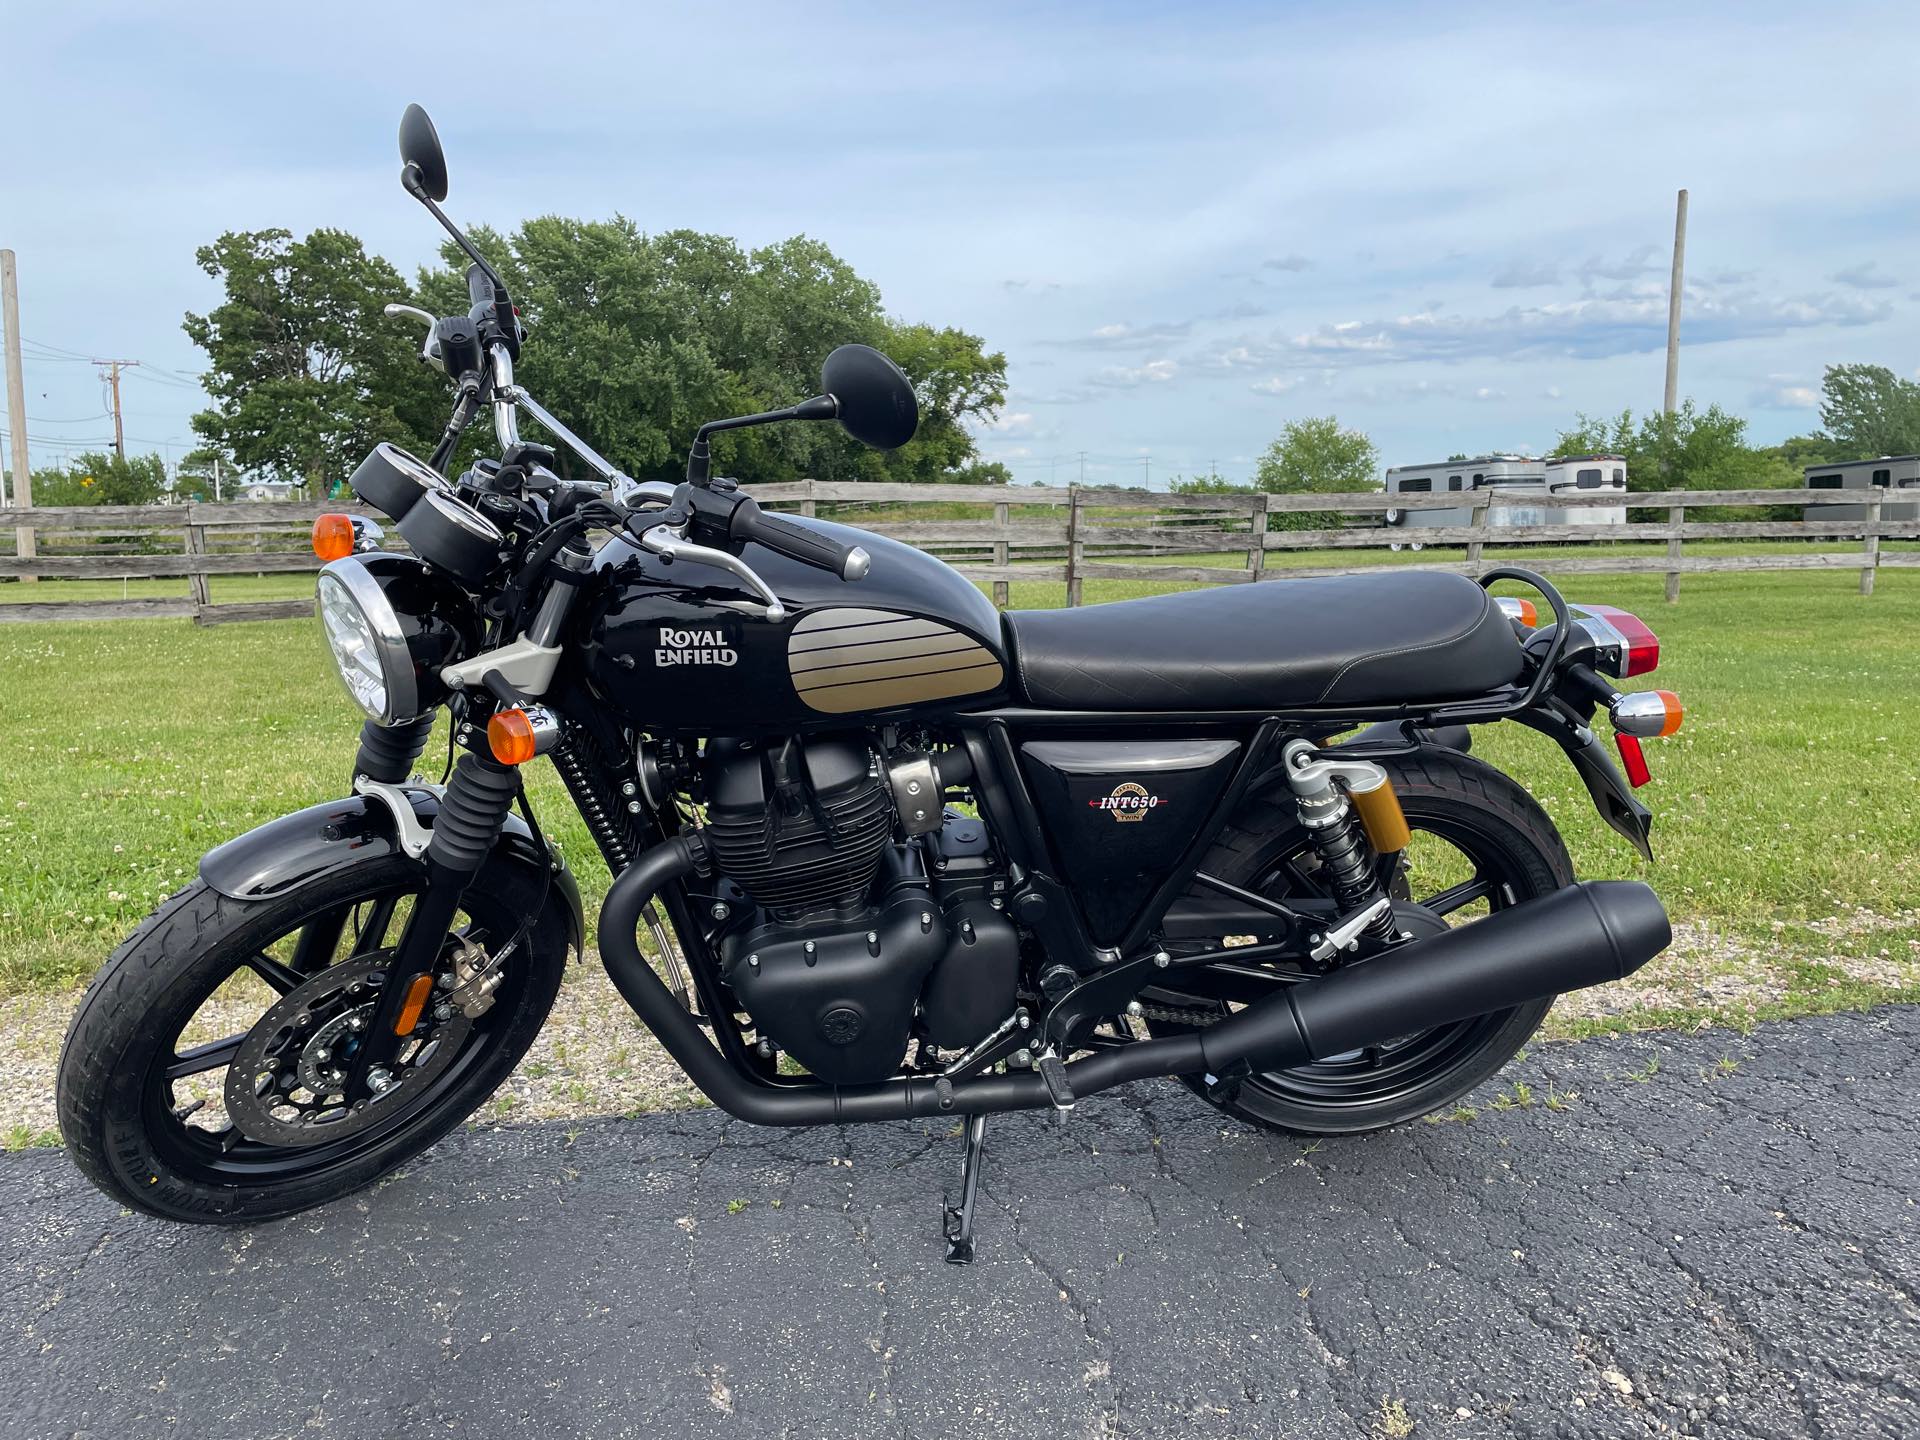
point(1121, 813)
point(297, 849)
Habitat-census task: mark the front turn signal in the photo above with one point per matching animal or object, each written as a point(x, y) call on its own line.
point(510, 735)
point(333, 537)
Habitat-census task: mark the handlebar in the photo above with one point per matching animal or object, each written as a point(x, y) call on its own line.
point(479, 287)
point(797, 542)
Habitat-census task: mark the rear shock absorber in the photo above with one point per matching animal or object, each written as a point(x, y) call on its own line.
point(1351, 815)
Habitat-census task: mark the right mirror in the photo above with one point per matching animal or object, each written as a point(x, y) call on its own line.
point(875, 400)
point(420, 150)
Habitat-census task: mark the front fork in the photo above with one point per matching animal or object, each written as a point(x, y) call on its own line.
point(479, 796)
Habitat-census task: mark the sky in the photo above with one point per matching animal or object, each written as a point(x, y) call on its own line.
point(1184, 225)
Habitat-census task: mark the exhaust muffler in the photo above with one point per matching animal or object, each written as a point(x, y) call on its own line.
point(1585, 934)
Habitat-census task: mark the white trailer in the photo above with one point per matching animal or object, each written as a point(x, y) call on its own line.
point(1891, 473)
point(1463, 477)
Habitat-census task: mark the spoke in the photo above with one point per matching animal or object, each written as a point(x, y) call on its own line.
point(1456, 896)
point(319, 937)
point(373, 931)
point(229, 1138)
point(202, 1058)
point(281, 977)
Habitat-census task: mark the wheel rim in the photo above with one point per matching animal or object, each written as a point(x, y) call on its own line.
point(190, 1138)
point(1455, 866)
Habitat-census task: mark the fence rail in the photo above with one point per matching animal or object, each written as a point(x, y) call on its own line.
point(1078, 534)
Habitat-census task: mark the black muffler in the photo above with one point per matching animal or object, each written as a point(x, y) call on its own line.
point(1583, 935)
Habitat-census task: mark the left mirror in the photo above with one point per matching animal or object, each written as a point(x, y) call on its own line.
point(420, 152)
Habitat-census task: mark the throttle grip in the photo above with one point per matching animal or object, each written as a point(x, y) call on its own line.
point(797, 542)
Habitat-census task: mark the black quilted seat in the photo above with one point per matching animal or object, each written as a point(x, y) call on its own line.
point(1349, 640)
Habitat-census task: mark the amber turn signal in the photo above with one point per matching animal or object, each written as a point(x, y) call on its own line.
point(1522, 610)
point(333, 537)
point(1649, 713)
point(510, 736)
point(415, 1002)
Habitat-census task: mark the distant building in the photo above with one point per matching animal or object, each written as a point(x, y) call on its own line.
point(263, 490)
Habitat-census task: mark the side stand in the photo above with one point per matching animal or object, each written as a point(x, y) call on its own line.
point(959, 1220)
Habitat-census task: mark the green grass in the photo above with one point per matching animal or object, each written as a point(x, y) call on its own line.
point(1788, 808)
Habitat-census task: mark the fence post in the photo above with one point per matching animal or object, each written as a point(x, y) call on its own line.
point(197, 589)
point(1482, 508)
point(807, 505)
point(1257, 548)
point(1073, 545)
point(1676, 517)
point(1002, 513)
point(1870, 543)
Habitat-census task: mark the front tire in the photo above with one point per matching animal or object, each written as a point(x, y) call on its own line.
point(1465, 815)
point(147, 1138)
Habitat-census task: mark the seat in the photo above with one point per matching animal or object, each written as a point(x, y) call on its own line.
point(1348, 640)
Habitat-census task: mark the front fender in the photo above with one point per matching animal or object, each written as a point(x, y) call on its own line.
point(282, 854)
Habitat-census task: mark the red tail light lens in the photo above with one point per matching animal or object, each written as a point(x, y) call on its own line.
point(1639, 647)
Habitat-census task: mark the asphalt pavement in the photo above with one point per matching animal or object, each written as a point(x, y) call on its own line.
point(1711, 1235)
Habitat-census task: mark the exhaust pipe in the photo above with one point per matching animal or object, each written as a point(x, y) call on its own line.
point(1582, 935)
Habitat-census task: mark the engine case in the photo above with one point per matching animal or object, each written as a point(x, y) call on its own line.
point(839, 995)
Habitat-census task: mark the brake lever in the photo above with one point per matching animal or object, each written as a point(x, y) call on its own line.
point(428, 351)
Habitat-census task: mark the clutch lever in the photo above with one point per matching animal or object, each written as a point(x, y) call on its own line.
point(670, 543)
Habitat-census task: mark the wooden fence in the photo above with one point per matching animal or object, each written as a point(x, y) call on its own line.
point(1064, 535)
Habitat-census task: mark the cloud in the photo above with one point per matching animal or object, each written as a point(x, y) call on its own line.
point(1277, 384)
point(1121, 336)
point(1154, 372)
point(1865, 276)
point(1038, 287)
point(1525, 274)
point(1629, 321)
point(1552, 392)
point(1642, 261)
point(1780, 392)
point(1294, 264)
point(1485, 393)
point(1014, 422)
point(1239, 310)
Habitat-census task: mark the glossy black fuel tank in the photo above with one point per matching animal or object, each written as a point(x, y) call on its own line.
point(912, 637)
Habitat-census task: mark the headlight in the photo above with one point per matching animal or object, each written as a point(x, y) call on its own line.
point(369, 644)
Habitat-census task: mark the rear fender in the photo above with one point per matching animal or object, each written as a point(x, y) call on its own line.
point(302, 847)
point(1611, 794)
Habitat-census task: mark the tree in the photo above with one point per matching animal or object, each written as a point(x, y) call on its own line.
point(1316, 456)
point(636, 339)
point(95, 478)
point(1869, 411)
point(306, 372)
point(1688, 449)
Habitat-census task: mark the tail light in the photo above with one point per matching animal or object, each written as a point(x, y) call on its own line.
point(1627, 646)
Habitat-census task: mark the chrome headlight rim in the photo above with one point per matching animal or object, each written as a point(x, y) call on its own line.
point(389, 637)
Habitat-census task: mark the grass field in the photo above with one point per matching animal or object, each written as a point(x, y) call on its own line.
point(1788, 809)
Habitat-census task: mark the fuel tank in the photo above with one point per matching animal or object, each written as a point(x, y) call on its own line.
point(667, 647)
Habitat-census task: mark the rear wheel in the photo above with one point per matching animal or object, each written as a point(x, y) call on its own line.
point(198, 1078)
point(1480, 843)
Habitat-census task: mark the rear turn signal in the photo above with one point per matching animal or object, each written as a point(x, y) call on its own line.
point(510, 736)
point(1517, 609)
point(1650, 713)
point(333, 537)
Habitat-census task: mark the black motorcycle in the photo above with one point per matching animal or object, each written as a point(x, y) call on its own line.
point(899, 855)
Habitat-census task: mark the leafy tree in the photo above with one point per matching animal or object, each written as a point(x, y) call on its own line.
point(1689, 449)
point(305, 371)
point(101, 479)
point(1208, 484)
point(636, 339)
point(1316, 455)
point(1869, 411)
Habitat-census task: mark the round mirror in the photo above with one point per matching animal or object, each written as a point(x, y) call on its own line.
point(875, 401)
point(420, 149)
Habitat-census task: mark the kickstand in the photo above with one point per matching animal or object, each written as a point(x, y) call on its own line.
point(959, 1220)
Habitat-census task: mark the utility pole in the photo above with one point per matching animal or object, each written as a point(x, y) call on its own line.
point(24, 546)
point(216, 477)
point(1673, 302)
point(1083, 467)
point(1146, 472)
point(114, 367)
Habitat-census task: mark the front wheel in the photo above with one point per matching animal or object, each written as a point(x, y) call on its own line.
point(216, 1005)
point(1480, 843)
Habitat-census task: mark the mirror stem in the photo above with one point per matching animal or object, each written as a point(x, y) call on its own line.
point(410, 178)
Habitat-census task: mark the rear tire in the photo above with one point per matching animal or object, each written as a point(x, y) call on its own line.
point(1507, 836)
point(115, 1097)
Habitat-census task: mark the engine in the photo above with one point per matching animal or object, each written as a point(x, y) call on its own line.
point(876, 914)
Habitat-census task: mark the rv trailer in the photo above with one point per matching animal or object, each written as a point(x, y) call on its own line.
point(1481, 472)
point(1890, 473)
point(1520, 488)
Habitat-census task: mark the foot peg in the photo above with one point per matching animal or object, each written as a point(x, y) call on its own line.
point(958, 1220)
point(1053, 1070)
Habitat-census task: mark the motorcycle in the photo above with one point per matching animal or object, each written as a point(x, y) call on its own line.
point(899, 855)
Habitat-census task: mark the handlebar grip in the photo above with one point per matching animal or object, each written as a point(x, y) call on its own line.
point(479, 287)
point(797, 542)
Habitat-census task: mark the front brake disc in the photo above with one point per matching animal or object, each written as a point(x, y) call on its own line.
point(286, 1085)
